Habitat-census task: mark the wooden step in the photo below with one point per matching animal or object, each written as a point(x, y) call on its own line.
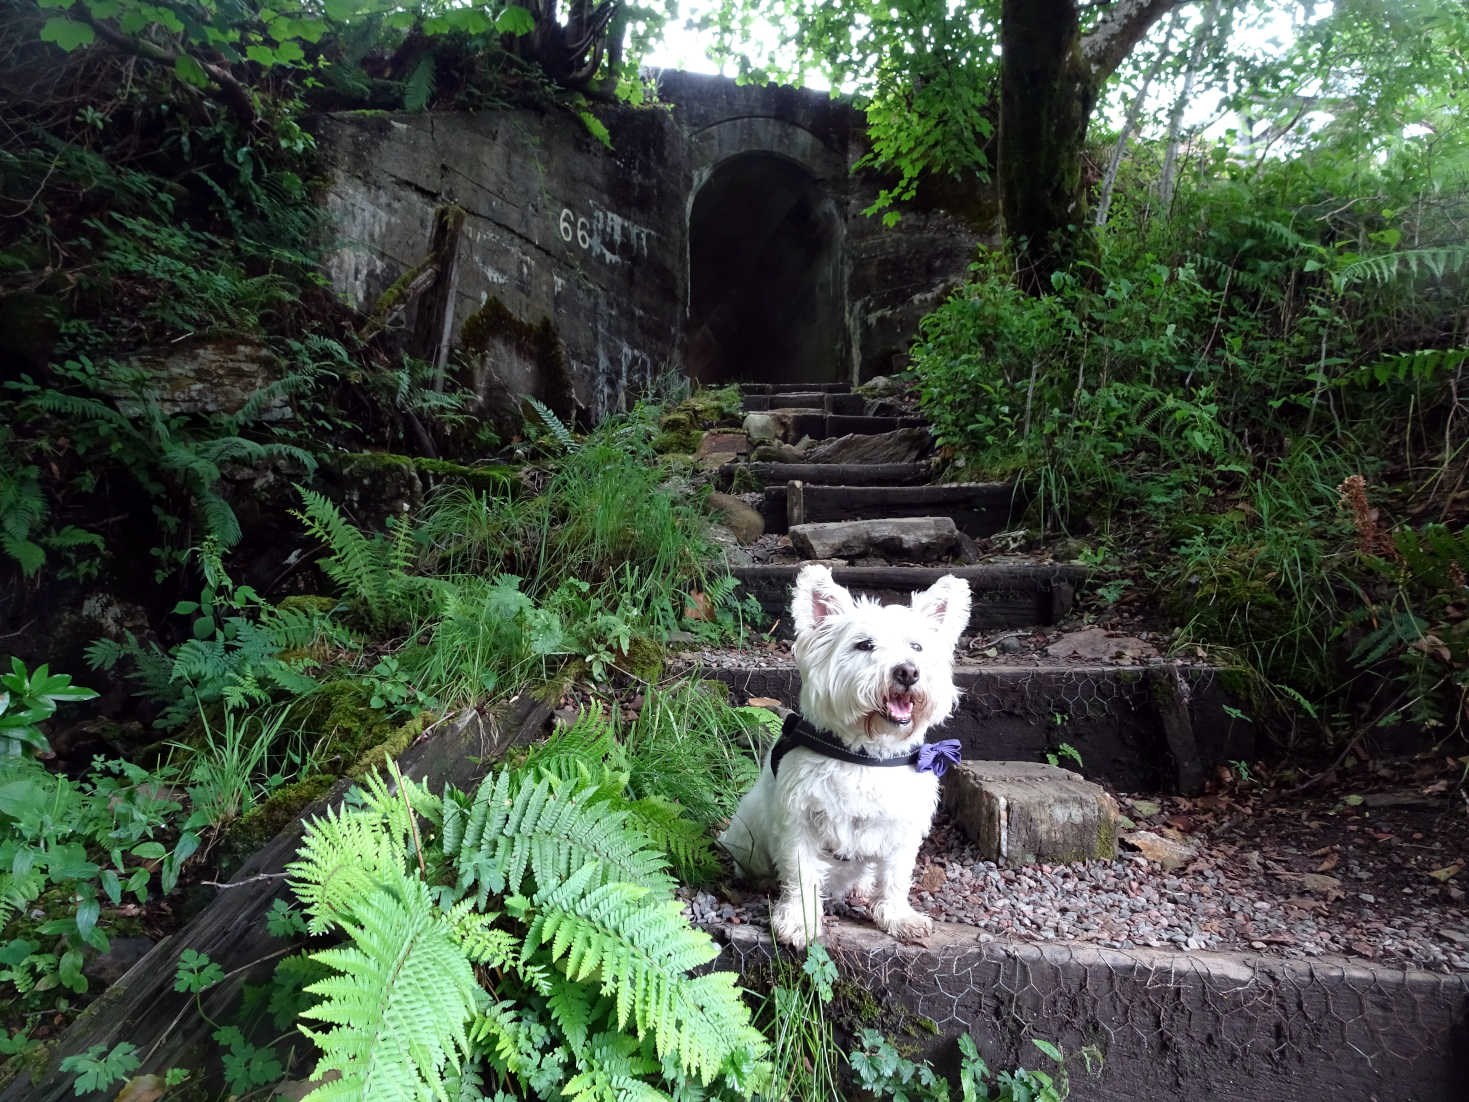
point(755, 475)
point(1011, 595)
point(1118, 718)
point(851, 404)
point(793, 423)
point(788, 387)
point(979, 509)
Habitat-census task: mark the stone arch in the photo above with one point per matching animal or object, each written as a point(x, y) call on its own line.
point(766, 286)
point(766, 266)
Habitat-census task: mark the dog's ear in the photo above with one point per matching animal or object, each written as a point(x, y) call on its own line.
point(816, 597)
point(945, 604)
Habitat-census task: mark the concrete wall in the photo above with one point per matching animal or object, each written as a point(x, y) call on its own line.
point(560, 229)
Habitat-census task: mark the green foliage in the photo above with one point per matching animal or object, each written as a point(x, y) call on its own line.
point(1207, 386)
point(97, 1069)
point(594, 958)
point(69, 848)
point(28, 699)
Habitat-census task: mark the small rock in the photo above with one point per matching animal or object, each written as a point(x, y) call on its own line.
point(743, 520)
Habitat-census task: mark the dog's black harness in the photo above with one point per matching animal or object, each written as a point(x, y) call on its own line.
point(796, 731)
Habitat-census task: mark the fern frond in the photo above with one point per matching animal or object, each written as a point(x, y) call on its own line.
point(609, 1070)
point(77, 408)
point(514, 829)
point(344, 855)
point(1421, 365)
point(640, 950)
point(401, 1000)
point(686, 842)
point(554, 425)
point(1439, 260)
point(356, 563)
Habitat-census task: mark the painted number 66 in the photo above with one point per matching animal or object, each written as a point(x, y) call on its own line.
point(571, 226)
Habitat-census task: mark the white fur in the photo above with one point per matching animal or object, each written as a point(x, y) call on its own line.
point(827, 827)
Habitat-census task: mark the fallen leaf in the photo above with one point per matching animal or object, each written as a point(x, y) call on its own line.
point(1328, 886)
point(932, 878)
point(767, 702)
point(1332, 860)
point(1146, 807)
point(142, 1088)
point(699, 606)
point(1168, 852)
point(1447, 872)
point(1352, 801)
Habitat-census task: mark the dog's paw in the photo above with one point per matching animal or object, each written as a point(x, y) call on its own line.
point(904, 923)
point(791, 927)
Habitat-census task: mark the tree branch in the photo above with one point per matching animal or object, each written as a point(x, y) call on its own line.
point(236, 96)
point(1120, 28)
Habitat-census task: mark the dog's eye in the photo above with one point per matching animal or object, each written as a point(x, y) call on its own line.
point(916, 646)
point(864, 644)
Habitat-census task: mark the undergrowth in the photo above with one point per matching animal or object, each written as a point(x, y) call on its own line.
point(1206, 393)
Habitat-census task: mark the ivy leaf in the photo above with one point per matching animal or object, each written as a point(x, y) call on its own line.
point(190, 71)
point(66, 34)
point(262, 55)
point(515, 21)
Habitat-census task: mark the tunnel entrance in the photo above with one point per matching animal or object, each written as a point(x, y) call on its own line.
point(765, 288)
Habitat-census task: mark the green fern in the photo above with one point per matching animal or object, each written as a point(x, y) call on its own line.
point(640, 949)
point(401, 1000)
point(554, 425)
point(363, 567)
point(1421, 365)
point(1439, 260)
point(513, 830)
point(22, 511)
point(593, 971)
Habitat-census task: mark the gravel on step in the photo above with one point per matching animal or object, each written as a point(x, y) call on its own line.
point(1130, 903)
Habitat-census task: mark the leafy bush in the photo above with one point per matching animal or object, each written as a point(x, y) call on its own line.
point(594, 993)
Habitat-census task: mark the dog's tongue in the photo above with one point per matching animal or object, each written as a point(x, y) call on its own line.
point(900, 709)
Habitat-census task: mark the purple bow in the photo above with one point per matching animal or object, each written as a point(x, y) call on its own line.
point(936, 757)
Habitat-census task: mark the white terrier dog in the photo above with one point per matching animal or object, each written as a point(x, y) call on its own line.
point(848, 793)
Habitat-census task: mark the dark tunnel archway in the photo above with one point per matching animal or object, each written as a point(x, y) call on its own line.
point(766, 297)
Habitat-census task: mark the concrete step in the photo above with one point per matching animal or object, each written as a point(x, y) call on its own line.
point(1171, 1024)
point(791, 423)
point(979, 508)
point(828, 403)
point(786, 388)
point(1003, 596)
point(1131, 731)
point(755, 475)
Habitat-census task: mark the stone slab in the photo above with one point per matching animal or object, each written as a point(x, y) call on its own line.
point(914, 539)
point(1229, 1027)
point(1028, 812)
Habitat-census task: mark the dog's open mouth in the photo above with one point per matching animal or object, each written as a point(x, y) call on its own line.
point(898, 708)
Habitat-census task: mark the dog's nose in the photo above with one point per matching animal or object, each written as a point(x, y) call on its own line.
point(905, 674)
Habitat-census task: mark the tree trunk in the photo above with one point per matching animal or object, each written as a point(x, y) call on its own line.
point(1049, 76)
point(1109, 181)
point(1169, 179)
point(1046, 95)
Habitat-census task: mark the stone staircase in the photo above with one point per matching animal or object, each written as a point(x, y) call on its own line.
point(846, 479)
